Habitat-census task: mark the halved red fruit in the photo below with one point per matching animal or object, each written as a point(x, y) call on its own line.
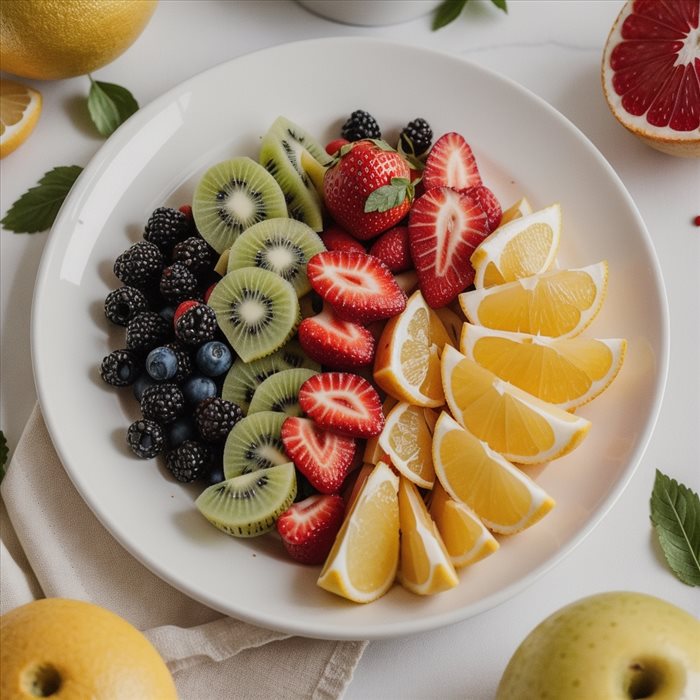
point(451, 163)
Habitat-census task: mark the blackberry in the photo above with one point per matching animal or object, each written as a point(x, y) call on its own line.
point(197, 325)
point(166, 227)
point(195, 254)
point(415, 138)
point(162, 403)
point(215, 417)
point(361, 125)
point(188, 461)
point(147, 330)
point(145, 438)
point(120, 368)
point(122, 304)
point(185, 366)
point(178, 283)
point(140, 265)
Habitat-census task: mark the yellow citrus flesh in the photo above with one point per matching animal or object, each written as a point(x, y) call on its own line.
point(56, 39)
point(520, 208)
point(359, 481)
point(555, 303)
point(407, 362)
point(373, 452)
point(523, 247)
point(568, 372)
point(364, 559)
point(519, 426)
point(20, 107)
point(56, 647)
point(505, 498)
point(450, 323)
point(407, 439)
point(425, 567)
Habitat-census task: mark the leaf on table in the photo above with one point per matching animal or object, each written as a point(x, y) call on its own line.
point(109, 105)
point(675, 513)
point(501, 5)
point(447, 12)
point(3, 454)
point(36, 209)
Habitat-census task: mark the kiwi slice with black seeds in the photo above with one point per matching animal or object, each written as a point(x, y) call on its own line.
point(282, 246)
point(248, 505)
point(254, 443)
point(280, 392)
point(257, 310)
point(232, 196)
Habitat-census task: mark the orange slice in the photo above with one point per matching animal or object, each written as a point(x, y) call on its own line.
point(20, 107)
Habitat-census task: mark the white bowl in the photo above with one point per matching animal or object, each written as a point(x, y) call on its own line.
point(370, 13)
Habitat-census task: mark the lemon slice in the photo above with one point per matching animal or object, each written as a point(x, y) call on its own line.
point(451, 323)
point(407, 439)
point(373, 452)
point(520, 208)
point(526, 246)
point(364, 559)
point(466, 538)
point(425, 567)
point(555, 303)
point(506, 499)
point(407, 362)
point(568, 372)
point(20, 107)
point(519, 426)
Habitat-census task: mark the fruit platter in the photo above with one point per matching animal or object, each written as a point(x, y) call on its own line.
point(338, 354)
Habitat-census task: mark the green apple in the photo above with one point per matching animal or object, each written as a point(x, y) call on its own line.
point(609, 646)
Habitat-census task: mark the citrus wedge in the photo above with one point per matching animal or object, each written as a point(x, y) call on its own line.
point(364, 559)
point(526, 246)
point(425, 567)
point(407, 362)
point(407, 439)
point(516, 210)
point(568, 372)
point(20, 107)
point(373, 453)
point(555, 303)
point(449, 322)
point(519, 426)
point(506, 499)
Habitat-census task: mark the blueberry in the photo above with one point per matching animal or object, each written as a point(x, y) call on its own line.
point(213, 358)
point(161, 363)
point(143, 381)
point(196, 388)
point(168, 313)
point(180, 430)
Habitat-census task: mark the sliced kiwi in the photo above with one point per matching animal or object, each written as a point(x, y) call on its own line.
point(232, 196)
point(280, 155)
point(244, 378)
point(256, 309)
point(280, 392)
point(283, 246)
point(255, 443)
point(249, 504)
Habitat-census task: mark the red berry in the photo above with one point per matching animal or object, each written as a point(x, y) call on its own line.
point(208, 292)
point(334, 238)
point(332, 147)
point(184, 306)
point(488, 202)
point(696, 220)
point(393, 250)
point(186, 209)
point(451, 163)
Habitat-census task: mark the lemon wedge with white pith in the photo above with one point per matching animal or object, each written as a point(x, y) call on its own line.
point(20, 107)
point(520, 208)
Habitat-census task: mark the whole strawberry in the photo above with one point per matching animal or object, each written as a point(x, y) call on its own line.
point(368, 190)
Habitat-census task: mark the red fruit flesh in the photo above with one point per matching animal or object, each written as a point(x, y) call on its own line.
point(488, 202)
point(334, 238)
point(182, 307)
point(332, 147)
point(393, 250)
point(343, 403)
point(451, 163)
point(444, 228)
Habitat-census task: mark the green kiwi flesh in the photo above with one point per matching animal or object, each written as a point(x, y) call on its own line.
point(232, 196)
point(280, 392)
point(255, 443)
point(248, 505)
point(257, 311)
point(282, 246)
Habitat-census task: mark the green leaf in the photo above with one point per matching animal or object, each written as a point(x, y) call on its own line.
point(447, 12)
point(501, 5)
point(109, 105)
point(36, 209)
point(389, 196)
point(3, 454)
point(675, 513)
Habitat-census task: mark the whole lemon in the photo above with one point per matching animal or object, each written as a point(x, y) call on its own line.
point(51, 39)
point(61, 648)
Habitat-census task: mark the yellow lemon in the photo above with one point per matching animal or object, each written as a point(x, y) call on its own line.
point(20, 107)
point(52, 39)
point(520, 208)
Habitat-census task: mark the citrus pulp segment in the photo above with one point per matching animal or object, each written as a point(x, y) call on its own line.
point(20, 107)
point(520, 208)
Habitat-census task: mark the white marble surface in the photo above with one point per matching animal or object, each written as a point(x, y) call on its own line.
point(554, 49)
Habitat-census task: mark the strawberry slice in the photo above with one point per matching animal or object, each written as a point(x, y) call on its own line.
point(488, 202)
point(343, 403)
point(392, 249)
point(335, 343)
point(308, 528)
point(324, 458)
point(336, 238)
point(451, 163)
point(358, 286)
point(444, 228)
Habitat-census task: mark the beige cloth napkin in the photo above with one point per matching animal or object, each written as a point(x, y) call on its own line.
point(53, 546)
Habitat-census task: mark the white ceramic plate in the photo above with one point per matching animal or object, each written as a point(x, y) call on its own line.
point(523, 147)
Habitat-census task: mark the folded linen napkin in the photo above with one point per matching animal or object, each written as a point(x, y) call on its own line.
point(53, 546)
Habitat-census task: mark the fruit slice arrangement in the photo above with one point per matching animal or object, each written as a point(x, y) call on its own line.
point(356, 348)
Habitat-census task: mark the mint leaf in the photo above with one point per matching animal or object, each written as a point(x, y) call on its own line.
point(447, 12)
point(3, 454)
point(675, 513)
point(109, 105)
point(389, 196)
point(36, 209)
point(501, 5)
